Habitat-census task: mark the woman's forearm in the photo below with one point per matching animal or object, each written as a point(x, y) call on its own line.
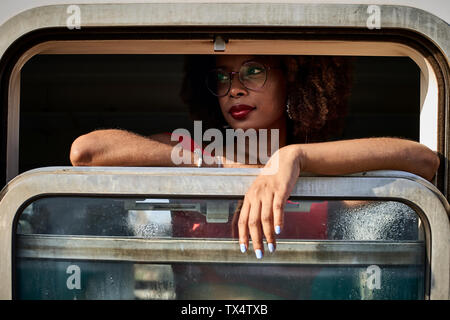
point(121, 148)
point(358, 155)
point(114, 147)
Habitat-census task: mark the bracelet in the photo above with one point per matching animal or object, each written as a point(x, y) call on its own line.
point(219, 162)
point(198, 153)
point(198, 158)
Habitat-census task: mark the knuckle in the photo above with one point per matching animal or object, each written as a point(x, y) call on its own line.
point(266, 219)
point(242, 223)
point(253, 223)
point(254, 192)
point(282, 190)
point(278, 206)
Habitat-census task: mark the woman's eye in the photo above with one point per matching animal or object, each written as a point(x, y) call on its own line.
point(222, 77)
point(253, 71)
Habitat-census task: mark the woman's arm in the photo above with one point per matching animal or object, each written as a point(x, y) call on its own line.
point(262, 210)
point(350, 156)
point(114, 147)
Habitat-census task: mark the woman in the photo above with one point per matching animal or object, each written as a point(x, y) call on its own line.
point(303, 98)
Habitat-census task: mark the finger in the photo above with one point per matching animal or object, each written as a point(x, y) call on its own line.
point(243, 226)
point(278, 212)
point(267, 221)
point(254, 227)
point(235, 220)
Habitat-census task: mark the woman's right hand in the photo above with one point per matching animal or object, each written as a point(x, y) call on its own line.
point(262, 211)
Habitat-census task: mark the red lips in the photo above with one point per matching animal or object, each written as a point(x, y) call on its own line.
point(240, 111)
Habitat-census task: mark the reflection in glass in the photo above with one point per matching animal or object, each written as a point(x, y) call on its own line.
point(213, 218)
point(356, 222)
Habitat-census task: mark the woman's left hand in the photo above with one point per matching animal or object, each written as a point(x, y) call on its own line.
point(263, 208)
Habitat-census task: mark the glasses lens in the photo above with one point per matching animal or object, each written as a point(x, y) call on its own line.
point(218, 82)
point(253, 75)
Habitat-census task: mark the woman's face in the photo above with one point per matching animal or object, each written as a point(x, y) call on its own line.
point(263, 108)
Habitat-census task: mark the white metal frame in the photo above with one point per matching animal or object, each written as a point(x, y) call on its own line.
point(418, 193)
point(231, 14)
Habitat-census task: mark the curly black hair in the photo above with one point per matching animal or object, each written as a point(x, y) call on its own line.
point(317, 95)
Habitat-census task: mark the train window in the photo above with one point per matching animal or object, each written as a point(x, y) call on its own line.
point(63, 94)
point(158, 248)
point(61, 90)
point(168, 233)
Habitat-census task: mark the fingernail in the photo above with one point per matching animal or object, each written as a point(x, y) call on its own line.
point(243, 248)
point(271, 247)
point(277, 229)
point(258, 254)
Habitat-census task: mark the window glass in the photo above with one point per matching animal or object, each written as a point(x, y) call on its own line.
point(215, 218)
point(178, 248)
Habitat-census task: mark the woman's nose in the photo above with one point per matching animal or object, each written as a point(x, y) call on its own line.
point(237, 88)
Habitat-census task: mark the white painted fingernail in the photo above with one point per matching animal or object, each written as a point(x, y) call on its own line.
point(277, 229)
point(243, 248)
point(258, 254)
point(271, 247)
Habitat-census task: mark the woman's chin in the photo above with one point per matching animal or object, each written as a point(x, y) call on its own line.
point(243, 124)
point(247, 125)
point(257, 123)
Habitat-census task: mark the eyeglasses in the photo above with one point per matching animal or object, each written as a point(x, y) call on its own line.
point(252, 75)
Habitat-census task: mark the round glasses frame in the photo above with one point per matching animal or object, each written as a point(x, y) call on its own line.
point(231, 75)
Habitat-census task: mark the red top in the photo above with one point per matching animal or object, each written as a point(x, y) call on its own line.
point(297, 225)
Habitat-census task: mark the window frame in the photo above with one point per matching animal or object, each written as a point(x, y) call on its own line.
point(428, 44)
point(429, 203)
point(175, 250)
point(185, 28)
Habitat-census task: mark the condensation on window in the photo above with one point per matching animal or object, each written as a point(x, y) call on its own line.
point(375, 220)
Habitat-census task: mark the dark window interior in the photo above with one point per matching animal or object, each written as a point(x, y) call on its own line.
point(64, 96)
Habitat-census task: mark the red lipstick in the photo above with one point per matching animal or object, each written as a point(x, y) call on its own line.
point(240, 111)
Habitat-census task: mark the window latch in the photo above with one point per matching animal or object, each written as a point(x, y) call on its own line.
point(217, 212)
point(219, 44)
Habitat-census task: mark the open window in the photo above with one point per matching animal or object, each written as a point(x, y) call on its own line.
point(67, 88)
point(64, 96)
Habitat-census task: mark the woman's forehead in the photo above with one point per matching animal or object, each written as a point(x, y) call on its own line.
point(235, 61)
